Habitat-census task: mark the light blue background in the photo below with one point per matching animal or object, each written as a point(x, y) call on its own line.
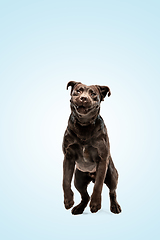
point(43, 45)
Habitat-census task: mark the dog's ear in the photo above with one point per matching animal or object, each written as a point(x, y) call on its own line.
point(72, 84)
point(104, 90)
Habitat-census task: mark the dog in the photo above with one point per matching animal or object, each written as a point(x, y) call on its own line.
point(86, 150)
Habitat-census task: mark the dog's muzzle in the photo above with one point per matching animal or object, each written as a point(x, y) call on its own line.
point(83, 111)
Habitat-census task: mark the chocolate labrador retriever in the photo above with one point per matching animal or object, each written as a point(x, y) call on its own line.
point(87, 151)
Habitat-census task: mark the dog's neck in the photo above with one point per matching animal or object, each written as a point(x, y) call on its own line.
point(83, 121)
point(85, 132)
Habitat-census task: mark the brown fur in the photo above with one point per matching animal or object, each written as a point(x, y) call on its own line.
point(86, 150)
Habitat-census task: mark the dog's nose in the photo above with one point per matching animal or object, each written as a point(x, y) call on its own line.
point(83, 98)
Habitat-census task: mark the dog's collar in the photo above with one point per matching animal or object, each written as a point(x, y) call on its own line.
point(74, 124)
point(87, 123)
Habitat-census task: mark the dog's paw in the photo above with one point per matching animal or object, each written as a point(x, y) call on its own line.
point(78, 209)
point(68, 203)
point(95, 205)
point(115, 208)
point(68, 199)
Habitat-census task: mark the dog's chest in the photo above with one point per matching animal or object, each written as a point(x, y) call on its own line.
point(85, 161)
point(86, 155)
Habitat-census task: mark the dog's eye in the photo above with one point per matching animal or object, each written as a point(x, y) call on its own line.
point(93, 94)
point(80, 90)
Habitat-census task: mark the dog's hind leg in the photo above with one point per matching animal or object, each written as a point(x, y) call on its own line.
point(81, 181)
point(111, 181)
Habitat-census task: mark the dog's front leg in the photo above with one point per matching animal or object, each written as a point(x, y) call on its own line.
point(68, 169)
point(95, 203)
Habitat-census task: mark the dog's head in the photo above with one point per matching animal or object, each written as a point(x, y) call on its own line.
point(85, 100)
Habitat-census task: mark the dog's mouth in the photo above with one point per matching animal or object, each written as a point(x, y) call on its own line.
point(84, 110)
